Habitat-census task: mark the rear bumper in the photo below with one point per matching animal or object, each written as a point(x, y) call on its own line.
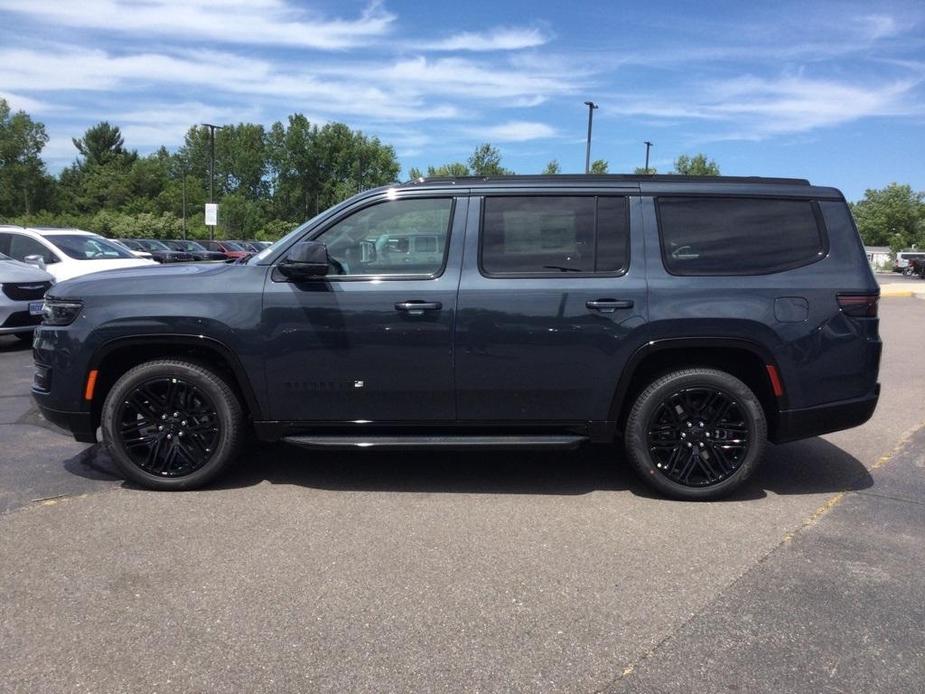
point(823, 419)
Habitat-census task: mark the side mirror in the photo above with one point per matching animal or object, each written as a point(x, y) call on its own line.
point(36, 260)
point(306, 260)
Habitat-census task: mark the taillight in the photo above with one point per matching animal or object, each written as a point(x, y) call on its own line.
point(859, 305)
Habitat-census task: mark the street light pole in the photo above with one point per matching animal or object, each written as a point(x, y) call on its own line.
point(212, 128)
point(184, 204)
point(591, 106)
point(648, 145)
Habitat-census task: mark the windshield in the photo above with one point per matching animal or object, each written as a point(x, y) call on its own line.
point(188, 246)
point(152, 245)
point(232, 246)
point(88, 247)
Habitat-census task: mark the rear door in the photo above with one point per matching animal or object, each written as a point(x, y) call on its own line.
point(551, 287)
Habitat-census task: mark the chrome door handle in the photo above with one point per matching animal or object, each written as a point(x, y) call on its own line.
point(416, 308)
point(608, 305)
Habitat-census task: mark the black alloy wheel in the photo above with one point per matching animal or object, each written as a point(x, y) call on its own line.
point(698, 436)
point(172, 424)
point(168, 427)
point(696, 433)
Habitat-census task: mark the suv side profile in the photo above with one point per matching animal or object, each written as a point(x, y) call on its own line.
point(691, 319)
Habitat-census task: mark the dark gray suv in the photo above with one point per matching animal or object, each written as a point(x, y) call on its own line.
point(691, 319)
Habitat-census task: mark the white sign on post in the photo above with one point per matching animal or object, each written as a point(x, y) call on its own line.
point(211, 214)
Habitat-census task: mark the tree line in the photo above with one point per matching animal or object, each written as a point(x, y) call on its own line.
point(268, 180)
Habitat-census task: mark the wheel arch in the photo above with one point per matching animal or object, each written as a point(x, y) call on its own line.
point(117, 356)
point(745, 359)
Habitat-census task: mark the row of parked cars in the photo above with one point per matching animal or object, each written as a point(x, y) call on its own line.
point(187, 250)
point(33, 259)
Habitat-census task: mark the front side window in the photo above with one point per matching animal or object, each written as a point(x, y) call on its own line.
point(22, 246)
point(543, 235)
point(738, 236)
point(397, 237)
point(87, 247)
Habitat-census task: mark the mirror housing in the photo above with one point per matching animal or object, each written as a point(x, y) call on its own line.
point(36, 260)
point(306, 260)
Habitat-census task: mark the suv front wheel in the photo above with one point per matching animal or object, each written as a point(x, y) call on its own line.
point(696, 434)
point(171, 424)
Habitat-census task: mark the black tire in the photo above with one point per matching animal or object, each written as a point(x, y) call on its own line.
point(172, 425)
point(677, 424)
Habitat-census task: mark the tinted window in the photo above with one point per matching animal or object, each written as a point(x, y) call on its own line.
point(552, 234)
point(737, 236)
point(88, 247)
point(152, 245)
point(21, 246)
point(399, 237)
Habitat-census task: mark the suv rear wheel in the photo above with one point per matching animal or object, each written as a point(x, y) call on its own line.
point(171, 424)
point(696, 434)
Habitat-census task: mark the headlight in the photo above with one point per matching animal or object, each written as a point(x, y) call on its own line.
point(59, 312)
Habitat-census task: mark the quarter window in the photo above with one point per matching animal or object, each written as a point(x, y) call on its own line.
point(738, 236)
point(398, 237)
point(543, 235)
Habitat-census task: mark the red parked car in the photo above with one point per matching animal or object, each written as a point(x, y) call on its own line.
point(231, 250)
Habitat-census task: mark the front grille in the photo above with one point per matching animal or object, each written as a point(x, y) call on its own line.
point(21, 319)
point(25, 291)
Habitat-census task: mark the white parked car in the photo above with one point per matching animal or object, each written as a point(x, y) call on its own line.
point(22, 289)
point(66, 253)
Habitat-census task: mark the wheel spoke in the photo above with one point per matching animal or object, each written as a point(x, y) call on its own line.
point(167, 427)
point(698, 436)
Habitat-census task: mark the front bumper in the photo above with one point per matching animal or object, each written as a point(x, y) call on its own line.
point(824, 419)
point(80, 424)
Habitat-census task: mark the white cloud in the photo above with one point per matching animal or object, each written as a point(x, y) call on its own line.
point(18, 102)
point(514, 131)
point(269, 22)
point(755, 108)
point(500, 39)
point(414, 89)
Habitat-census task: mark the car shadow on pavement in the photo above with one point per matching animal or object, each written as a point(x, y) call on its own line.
point(806, 467)
point(10, 343)
point(813, 466)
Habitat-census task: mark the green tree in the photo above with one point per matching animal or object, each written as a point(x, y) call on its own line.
point(451, 170)
point(101, 144)
point(552, 168)
point(312, 168)
point(893, 216)
point(599, 166)
point(101, 176)
point(698, 165)
point(486, 161)
point(643, 171)
point(24, 183)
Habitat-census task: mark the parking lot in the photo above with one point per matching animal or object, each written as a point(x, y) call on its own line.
point(525, 571)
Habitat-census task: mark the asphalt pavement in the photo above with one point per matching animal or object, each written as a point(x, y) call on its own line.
point(468, 572)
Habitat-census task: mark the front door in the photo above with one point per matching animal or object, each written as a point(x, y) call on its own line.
point(551, 286)
point(371, 342)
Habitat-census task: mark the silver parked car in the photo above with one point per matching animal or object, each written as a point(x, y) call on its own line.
point(22, 291)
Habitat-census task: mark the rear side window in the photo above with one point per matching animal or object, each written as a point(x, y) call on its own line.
point(549, 235)
point(738, 236)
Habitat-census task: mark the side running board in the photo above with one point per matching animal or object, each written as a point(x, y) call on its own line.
point(565, 442)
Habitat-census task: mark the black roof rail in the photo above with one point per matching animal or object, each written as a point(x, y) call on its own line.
point(603, 178)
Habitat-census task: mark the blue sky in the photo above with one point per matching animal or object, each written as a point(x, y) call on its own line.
point(830, 91)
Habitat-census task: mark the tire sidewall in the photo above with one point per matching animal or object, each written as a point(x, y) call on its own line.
point(227, 410)
point(637, 446)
